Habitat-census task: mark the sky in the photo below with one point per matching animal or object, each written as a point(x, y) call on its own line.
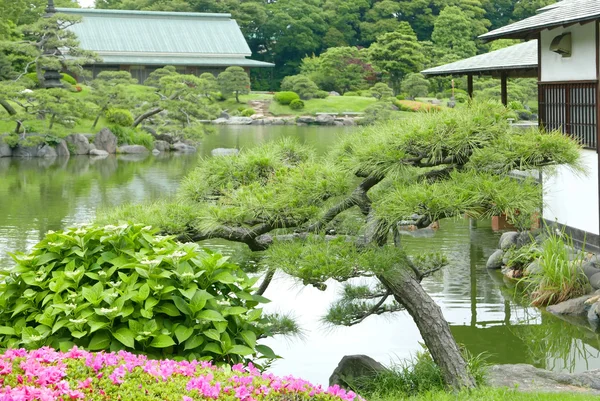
point(86, 3)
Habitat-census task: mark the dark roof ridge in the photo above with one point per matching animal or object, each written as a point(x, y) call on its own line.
point(113, 13)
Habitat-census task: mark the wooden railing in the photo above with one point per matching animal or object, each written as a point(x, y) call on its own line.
point(571, 107)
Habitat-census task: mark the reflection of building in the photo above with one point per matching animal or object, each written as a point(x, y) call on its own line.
point(142, 41)
point(568, 71)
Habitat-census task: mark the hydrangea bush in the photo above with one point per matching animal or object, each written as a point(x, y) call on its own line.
point(125, 288)
point(48, 375)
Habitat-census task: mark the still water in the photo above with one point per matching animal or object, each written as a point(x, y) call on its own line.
point(38, 195)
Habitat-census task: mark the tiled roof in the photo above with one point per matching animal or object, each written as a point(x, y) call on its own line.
point(564, 13)
point(522, 56)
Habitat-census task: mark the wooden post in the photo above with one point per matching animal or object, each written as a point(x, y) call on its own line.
point(470, 85)
point(504, 90)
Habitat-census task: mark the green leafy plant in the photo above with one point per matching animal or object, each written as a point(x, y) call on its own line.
point(248, 112)
point(351, 93)
point(285, 98)
point(121, 117)
point(123, 287)
point(132, 136)
point(321, 95)
point(297, 104)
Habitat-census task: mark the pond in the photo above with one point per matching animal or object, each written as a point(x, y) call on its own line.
point(38, 195)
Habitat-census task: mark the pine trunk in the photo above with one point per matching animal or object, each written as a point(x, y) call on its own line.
point(433, 327)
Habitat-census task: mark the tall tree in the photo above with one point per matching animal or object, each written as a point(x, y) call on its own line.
point(453, 33)
point(234, 80)
point(397, 54)
point(284, 199)
point(111, 89)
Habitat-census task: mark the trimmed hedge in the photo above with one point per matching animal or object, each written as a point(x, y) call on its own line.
point(297, 104)
point(286, 98)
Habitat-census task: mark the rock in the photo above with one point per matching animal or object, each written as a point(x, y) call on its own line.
point(98, 152)
point(258, 122)
point(90, 137)
point(495, 260)
point(508, 240)
point(595, 281)
point(133, 149)
point(348, 122)
point(225, 115)
point(165, 137)
point(149, 130)
point(592, 315)
point(106, 140)
point(451, 104)
point(436, 102)
point(572, 307)
point(46, 151)
point(220, 121)
point(506, 257)
point(338, 123)
point(306, 120)
point(352, 368)
point(528, 378)
point(595, 260)
point(278, 121)
point(162, 146)
point(62, 150)
point(524, 238)
point(80, 145)
point(239, 121)
point(589, 268)
point(155, 152)
point(5, 150)
point(92, 147)
point(334, 93)
point(533, 268)
point(224, 152)
point(182, 147)
point(325, 119)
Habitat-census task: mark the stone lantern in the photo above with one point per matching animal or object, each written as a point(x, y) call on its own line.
point(51, 77)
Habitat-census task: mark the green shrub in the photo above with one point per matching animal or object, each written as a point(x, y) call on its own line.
point(297, 104)
point(248, 112)
point(300, 84)
point(121, 117)
point(132, 136)
point(461, 98)
point(285, 98)
point(403, 96)
point(321, 94)
point(351, 93)
point(11, 140)
point(414, 106)
point(69, 79)
point(123, 287)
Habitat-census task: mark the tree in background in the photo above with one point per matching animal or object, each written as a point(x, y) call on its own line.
point(344, 18)
point(453, 33)
point(234, 80)
point(380, 19)
point(316, 223)
point(381, 91)
point(415, 85)
point(110, 90)
point(397, 53)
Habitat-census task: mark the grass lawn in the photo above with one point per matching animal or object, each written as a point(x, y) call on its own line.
point(230, 104)
point(331, 104)
point(491, 394)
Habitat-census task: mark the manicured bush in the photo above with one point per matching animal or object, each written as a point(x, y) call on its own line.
point(248, 112)
point(321, 94)
point(45, 374)
point(125, 288)
point(121, 117)
point(297, 104)
point(403, 96)
point(381, 91)
point(414, 106)
point(285, 98)
point(300, 84)
point(351, 93)
point(69, 79)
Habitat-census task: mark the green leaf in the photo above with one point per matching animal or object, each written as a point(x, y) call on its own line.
point(182, 306)
point(220, 326)
point(78, 334)
point(143, 293)
point(59, 324)
point(236, 310)
point(249, 337)
point(224, 277)
point(45, 258)
point(189, 293)
point(214, 348)
point(100, 341)
point(162, 341)
point(125, 337)
point(212, 334)
point(254, 314)
point(211, 315)
point(7, 331)
point(193, 342)
point(142, 272)
point(260, 299)
point(151, 302)
point(183, 333)
point(241, 350)
point(168, 309)
point(266, 351)
point(65, 346)
point(96, 325)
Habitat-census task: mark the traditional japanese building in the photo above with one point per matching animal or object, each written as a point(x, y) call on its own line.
point(142, 41)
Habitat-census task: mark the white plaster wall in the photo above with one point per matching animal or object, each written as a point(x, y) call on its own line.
point(572, 198)
point(582, 63)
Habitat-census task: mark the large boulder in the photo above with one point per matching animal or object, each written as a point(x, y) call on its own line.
point(495, 260)
point(132, 149)
point(80, 145)
point(528, 378)
point(98, 152)
point(106, 140)
point(162, 146)
point(224, 152)
point(306, 120)
point(575, 307)
point(182, 147)
point(508, 240)
point(239, 121)
point(534, 268)
point(325, 119)
point(46, 151)
point(62, 150)
point(595, 281)
point(353, 368)
point(5, 150)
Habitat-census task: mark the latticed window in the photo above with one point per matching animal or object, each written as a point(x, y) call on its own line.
point(571, 107)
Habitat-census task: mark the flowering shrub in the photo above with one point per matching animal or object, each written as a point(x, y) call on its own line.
point(47, 375)
point(122, 287)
